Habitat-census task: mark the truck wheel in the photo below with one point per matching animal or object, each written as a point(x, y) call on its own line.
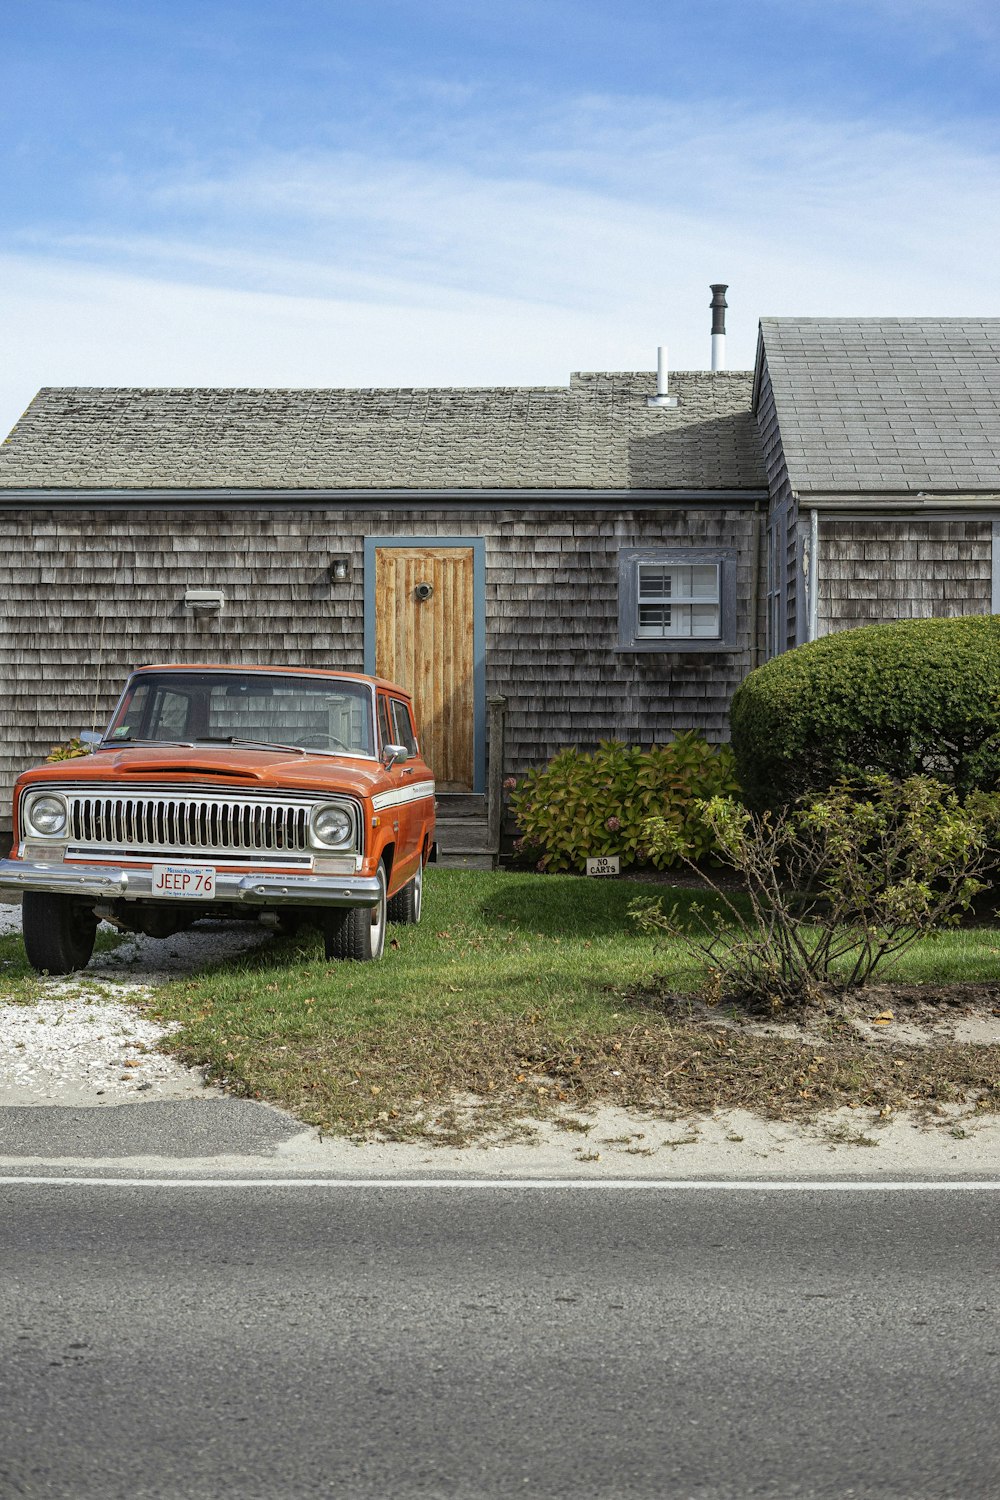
point(404, 907)
point(59, 932)
point(360, 932)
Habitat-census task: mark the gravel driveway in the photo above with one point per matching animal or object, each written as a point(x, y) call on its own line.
point(85, 1043)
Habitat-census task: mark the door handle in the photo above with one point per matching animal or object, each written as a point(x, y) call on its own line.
point(407, 771)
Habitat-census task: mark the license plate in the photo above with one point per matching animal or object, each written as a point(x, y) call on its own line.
point(193, 882)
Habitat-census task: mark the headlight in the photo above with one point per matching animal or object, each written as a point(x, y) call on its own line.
point(333, 826)
point(47, 814)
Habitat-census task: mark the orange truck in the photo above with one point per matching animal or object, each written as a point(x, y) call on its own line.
point(228, 791)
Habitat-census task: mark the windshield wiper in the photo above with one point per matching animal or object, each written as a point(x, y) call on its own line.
point(170, 744)
point(231, 739)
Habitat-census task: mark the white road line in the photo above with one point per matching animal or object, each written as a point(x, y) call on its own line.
point(616, 1184)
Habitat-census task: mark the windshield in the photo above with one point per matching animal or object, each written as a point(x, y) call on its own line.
point(309, 713)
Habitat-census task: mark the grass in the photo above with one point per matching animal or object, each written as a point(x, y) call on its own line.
point(20, 985)
point(517, 995)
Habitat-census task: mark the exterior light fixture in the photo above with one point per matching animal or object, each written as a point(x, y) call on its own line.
point(204, 601)
point(340, 569)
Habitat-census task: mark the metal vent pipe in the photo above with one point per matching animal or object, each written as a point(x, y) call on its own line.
point(718, 306)
point(662, 397)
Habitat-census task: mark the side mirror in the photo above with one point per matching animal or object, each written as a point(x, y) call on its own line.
point(91, 737)
point(393, 753)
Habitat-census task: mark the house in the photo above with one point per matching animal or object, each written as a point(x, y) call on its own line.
point(602, 559)
point(581, 553)
point(881, 438)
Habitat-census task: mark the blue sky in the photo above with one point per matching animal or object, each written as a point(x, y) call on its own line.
point(408, 192)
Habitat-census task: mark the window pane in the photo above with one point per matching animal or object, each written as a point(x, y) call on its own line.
point(384, 732)
point(314, 713)
point(655, 583)
point(705, 582)
point(704, 619)
point(699, 581)
point(656, 619)
point(678, 601)
point(403, 727)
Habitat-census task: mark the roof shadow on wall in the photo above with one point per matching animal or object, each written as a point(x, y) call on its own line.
point(709, 453)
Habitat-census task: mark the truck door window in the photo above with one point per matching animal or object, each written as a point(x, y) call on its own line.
point(403, 727)
point(384, 733)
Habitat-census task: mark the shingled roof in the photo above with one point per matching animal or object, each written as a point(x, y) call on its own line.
point(595, 434)
point(886, 404)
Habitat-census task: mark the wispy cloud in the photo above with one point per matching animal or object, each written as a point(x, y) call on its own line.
point(593, 207)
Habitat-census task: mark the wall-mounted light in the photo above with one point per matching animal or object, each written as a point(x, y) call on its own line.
point(340, 569)
point(204, 601)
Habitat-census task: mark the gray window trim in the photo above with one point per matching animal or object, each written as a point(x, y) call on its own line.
point(628, 598)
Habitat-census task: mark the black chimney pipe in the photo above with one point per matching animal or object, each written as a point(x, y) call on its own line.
point(718, 306)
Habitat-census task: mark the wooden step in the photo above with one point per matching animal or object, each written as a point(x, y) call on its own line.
point(462, 835)
point(465, 861)
point(461, 805)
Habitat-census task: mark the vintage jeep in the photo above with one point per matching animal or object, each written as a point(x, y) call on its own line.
point(225, 791)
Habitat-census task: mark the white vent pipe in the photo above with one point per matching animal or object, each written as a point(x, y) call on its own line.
point(662, 398)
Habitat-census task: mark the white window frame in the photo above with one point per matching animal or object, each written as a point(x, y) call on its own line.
point(632, 559)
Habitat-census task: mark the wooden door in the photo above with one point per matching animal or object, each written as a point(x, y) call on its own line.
point(424, 640)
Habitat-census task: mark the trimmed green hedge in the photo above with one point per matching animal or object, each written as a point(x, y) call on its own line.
point(914, 696)
point(582, 805)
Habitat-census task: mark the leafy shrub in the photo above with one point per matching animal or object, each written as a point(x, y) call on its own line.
point(582, 805)
point(910, 698)
point(72, 750)
point(835, 885)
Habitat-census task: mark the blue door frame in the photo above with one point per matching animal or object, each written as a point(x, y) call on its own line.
point(478, 545)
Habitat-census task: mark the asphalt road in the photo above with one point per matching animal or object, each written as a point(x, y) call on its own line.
point(449, 1341)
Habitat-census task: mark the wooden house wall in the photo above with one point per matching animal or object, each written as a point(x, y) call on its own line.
point(781, 500)
point(878, 568)
point(86, 595)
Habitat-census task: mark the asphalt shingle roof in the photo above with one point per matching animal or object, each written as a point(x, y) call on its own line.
point(887, 404)
point(596, 433)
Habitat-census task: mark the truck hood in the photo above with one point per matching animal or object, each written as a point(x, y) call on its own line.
point(228, 765)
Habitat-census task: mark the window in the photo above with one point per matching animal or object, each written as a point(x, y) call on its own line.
point(677, 599)
point(402, 725)
point(223, 707)
point(384, 732)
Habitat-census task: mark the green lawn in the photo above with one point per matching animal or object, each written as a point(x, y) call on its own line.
point(525, 991)
point(18, 981)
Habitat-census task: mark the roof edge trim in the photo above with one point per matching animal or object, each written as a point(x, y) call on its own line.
point(206, 499)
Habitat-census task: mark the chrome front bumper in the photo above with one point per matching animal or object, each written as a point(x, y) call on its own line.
point(120, 883)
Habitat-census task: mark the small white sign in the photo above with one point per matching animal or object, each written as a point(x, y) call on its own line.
point(189, 882)
point(604, 864)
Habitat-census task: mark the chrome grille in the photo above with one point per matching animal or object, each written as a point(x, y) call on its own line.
point(210, 823)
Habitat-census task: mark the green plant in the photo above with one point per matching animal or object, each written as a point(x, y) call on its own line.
point(582, 805)
point(910, 698)
point(835, 885)
point(72, 750)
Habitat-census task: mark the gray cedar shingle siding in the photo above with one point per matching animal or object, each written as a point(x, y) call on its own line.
point(79, 587)
point(597, 433)
point(873, 569)
point(870, 406)
point(780, 490)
